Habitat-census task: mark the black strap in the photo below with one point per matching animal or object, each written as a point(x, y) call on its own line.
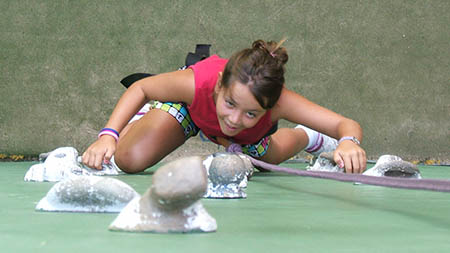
point(201, 53)
point(129, 80)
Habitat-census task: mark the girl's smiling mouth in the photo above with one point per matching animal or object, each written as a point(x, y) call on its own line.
point(231, 127)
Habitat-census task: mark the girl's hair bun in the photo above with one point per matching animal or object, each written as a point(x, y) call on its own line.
point(273, 48)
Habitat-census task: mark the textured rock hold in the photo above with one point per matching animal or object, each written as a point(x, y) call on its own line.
point(386, 166)
point(393, 166)
point(227, 175)
point(87, 194)
point(63, 163)
point(171, 204)
point(325, 162)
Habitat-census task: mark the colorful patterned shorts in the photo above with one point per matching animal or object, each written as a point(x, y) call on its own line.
point(181, 114)
point(257, 150)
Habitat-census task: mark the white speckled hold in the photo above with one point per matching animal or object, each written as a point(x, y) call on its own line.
point(227, 175)
point(63, 163)
point(171, 204)
point(87, 194)
point(393, 166)
point(325, 162)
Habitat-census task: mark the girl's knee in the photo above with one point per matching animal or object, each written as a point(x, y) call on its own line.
point(131, 162)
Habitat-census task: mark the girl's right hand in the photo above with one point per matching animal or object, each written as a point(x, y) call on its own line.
point(99, 152)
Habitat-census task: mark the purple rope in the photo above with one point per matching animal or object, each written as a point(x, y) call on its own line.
point(394, 182)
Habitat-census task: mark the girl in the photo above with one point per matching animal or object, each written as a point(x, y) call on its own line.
point(239, 100)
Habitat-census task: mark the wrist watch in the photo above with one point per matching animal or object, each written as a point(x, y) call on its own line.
point(350, 138)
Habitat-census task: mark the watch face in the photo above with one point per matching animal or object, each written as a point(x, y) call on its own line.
point(355, 140)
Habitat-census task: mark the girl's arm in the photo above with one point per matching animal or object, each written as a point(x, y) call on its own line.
point(174, 86)
point(297, 109)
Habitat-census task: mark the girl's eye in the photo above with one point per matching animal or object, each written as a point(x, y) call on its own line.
point(251, 115)
point(229, 103)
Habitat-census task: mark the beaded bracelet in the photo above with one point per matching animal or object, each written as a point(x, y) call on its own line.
point(110, 132)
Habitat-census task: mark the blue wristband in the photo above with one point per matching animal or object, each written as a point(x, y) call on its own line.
point(110, 129)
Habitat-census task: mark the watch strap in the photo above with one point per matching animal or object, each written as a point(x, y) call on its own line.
point(350, 138)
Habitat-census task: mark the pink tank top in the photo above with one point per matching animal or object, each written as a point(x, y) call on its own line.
point(203, 109)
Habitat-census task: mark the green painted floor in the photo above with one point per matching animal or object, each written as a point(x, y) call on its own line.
point(282, 213)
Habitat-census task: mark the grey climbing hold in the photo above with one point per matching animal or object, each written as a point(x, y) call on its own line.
point(171, 204)
point(227, 175)
point(325, 162)
point(249, 169)
point(87, 194)
point(393, 166)
point(387, 165)
point(63, 163)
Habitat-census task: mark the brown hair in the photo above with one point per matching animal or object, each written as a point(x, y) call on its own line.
point(261, 67)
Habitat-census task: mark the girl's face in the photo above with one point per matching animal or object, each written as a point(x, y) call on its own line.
point(237, 109)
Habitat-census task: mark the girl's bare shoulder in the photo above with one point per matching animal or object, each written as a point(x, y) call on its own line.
point(288, 103)
point(171, 86)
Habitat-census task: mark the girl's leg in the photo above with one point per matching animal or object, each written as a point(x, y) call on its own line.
point(287, 142)
point(146, 141)
point(284, 144)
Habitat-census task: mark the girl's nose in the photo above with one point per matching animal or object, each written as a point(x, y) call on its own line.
point(235, 118)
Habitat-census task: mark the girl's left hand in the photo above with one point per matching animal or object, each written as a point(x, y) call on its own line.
point(351, 156)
